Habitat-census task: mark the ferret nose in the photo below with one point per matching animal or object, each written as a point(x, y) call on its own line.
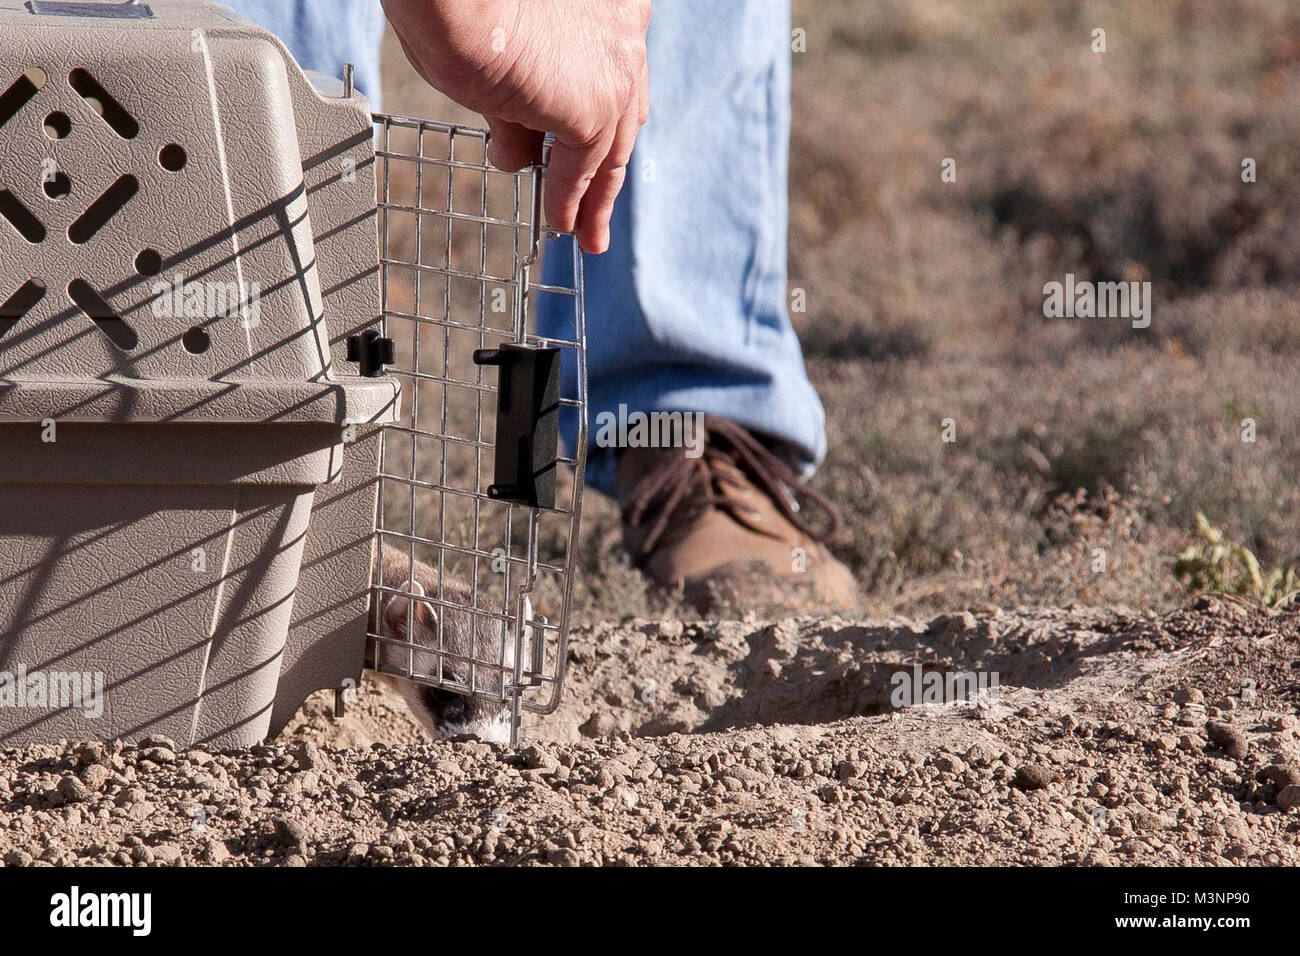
point(489, 727)
point(493, 731)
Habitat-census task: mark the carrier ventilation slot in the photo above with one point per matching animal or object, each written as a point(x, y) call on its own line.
point(102, 314)
point(101, 101)
point(20, 94)
point(20, 303)
point(57, 186)
point(20, 217)
point(103, 209)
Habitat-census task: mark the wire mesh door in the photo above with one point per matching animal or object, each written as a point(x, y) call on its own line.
point(460, 244)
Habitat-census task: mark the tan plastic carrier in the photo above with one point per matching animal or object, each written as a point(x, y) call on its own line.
point(220, 351)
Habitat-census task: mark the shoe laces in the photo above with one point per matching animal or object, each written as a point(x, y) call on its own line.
point(732, 458)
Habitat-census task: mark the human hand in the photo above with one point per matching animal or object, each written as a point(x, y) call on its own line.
point(575, 68)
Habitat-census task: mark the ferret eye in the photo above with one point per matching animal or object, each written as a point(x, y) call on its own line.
point(435, 698)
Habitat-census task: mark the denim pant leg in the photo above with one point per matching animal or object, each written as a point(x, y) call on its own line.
point(688, 311)
point(324, 34)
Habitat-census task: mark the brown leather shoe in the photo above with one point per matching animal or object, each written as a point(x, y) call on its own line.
point(725, 527)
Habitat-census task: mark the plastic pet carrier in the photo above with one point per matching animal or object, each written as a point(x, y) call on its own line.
point(250, 335)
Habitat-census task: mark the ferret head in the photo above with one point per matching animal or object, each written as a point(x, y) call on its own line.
point(463, 639)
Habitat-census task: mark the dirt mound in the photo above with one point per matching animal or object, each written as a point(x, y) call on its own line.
point(1111, 738)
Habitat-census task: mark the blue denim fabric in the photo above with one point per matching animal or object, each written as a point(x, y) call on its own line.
point(688, 311)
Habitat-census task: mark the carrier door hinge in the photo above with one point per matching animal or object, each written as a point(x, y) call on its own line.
point(372, 351)
point(528, 423)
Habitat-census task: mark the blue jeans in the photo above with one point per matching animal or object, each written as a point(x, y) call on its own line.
point(687, 312)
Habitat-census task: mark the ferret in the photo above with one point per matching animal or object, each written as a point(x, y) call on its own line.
point(443, 713)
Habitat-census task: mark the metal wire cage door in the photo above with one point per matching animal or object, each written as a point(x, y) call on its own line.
point(460, 248)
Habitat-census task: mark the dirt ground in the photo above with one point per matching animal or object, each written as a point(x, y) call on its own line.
point(1113, 738)
point(1163, 735)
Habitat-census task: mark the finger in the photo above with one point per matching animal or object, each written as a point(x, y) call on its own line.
point(643, 86)
point(643, 95)
point(512, 147)
point(598, 203)
point(569, 174)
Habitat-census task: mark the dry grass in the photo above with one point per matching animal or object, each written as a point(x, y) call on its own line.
point(925, 301)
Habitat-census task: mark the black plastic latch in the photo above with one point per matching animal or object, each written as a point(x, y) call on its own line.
point(528, 423)
point(372, 352)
